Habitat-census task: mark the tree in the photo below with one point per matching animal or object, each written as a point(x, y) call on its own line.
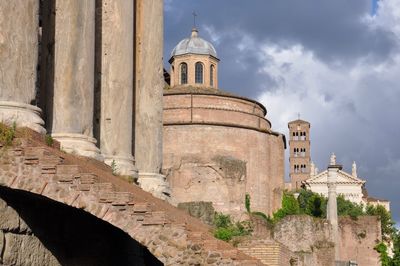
point(387, 224)
point(346, 207)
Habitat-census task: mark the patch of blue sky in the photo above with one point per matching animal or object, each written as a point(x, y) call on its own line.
point(374, 6)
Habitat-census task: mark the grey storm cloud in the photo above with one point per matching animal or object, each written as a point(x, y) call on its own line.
point(352, 98)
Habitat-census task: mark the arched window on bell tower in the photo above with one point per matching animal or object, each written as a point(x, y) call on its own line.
point(199, 73)
point(212, 69)
point(184, 73)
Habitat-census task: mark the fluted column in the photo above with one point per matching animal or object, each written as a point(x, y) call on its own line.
point(117, 76)
point(72, 118)
point(149, 96)
point(19, 31)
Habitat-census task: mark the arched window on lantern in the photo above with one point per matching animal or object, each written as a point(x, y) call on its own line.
point(212, 70)
point(199, 73)
point(184, 73)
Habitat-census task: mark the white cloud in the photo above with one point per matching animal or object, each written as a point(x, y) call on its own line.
point(351, 108)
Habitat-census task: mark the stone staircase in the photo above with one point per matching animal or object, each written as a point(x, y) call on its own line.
point(169, 234)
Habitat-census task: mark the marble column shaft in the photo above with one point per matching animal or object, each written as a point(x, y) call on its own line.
point(117, 77)
point(19, 35)
point(149, 94)
point(332, 214)
point(72, 118)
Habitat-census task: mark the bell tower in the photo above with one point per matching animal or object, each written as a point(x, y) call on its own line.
point(300, 158)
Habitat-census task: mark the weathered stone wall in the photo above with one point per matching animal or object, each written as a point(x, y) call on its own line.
point(221, 164)
point(308, 237)
point(38, 231)
point(311, 238)
point(358, 239)
point(199, 209)
point(89, 186)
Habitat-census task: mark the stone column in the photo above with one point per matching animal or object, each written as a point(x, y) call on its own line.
point(332, 214)
point(72, 118)
point(117, 77)
point(149, 96)
point(19, 31)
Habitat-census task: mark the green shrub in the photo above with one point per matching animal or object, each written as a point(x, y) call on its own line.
point(290, 206)
point(114, 167)
point(224, 234)
point(49, 140)
point(387, 224)
point(247, 203)
point(348, 208)
point(381, 248)
point(225, 229)
point(7, 134)
point(222, 220)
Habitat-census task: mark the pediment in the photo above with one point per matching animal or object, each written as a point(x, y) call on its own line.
point(343, 178)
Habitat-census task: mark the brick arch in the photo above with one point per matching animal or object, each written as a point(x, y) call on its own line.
point(41, 170)
point(64, 235)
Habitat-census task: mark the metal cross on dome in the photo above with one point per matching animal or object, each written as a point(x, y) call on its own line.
point(194, 19)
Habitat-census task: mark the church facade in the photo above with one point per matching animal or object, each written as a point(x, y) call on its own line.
point(350, 186)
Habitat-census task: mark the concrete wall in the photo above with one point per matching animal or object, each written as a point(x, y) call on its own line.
point(220, 148)
point(38, 231)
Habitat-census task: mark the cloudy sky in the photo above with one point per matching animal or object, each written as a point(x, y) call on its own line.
point(337, 63)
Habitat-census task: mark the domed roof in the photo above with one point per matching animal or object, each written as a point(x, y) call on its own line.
point(194, 45)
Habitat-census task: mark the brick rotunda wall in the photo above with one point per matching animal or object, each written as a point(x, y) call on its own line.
point(37, 231)
point(217, 148)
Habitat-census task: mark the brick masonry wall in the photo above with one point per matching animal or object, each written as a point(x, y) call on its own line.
point(38, 231)
point(88, 185)
point(310, 238)
point(358, 239)
point(221, 164)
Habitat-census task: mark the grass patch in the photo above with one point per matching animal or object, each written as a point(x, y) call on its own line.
point(7, 134)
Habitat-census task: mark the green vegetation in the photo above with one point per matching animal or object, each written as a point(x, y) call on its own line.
point(7, 134)
point(226, 229)
point(387, 224)
point(315, 205)
point(381, 248)
point(49, 140)
point(247, 200)
point(114, 168)
point(310, 203)
point(396, 249)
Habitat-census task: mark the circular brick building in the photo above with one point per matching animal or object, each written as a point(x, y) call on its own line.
point(217, 146)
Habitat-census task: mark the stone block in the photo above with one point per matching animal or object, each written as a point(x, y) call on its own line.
point(26, 250)
point(9, 218)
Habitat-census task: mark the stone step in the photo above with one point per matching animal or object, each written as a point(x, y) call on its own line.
point(66, 173)
point(230, 253)
point(100, 188)
point(140, 208)
point(86, 178)
point(66, 169)
point(250, 263)
point(211, 244)
point(34, 154)
point(196, 237)
point(48, 169)
point(123, 199)
point(17, 151)
point(154, 218)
